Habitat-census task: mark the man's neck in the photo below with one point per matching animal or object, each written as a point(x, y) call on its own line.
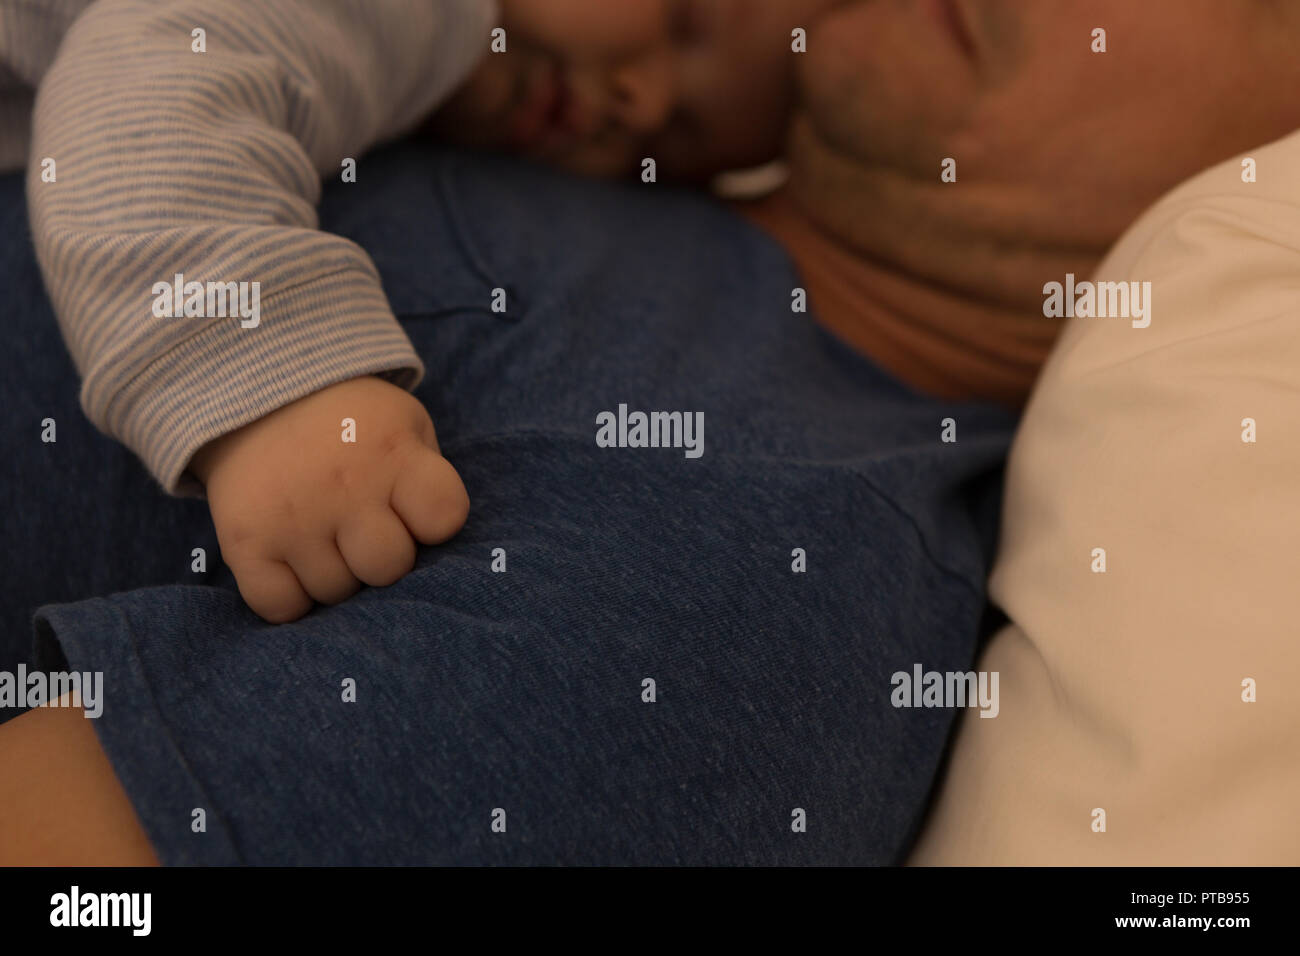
point(962, 335)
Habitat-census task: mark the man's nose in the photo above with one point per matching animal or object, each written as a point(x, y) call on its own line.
point(644, 90)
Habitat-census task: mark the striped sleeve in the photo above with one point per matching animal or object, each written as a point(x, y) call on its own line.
point(189, 138)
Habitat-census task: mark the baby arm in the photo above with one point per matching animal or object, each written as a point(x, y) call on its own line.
point(191, 137)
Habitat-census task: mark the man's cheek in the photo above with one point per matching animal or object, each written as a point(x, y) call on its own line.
point(874, 112)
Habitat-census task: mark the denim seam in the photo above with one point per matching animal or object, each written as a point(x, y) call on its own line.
point(155, 716)
point(175, 745)
point(460, 234)
point(504, 437)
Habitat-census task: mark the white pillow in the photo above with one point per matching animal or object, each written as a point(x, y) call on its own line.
point(1123, 691)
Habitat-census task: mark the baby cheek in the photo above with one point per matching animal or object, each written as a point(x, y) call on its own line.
point(745, 132)
point(604, 160)
point(476, 113)
point(746, 104)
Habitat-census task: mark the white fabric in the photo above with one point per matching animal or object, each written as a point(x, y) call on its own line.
point(1122, 690)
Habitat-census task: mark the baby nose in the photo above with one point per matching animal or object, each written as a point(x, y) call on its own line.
point(644, 91)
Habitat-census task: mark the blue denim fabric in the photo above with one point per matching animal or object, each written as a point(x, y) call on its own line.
point(523, 690)
point(79, 515)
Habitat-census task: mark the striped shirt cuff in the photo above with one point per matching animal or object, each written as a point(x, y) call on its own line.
point(328, 330)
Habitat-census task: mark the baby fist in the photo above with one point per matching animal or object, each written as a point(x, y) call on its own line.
point(328, 493)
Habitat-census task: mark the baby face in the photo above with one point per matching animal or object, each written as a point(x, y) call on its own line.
point(594, 86)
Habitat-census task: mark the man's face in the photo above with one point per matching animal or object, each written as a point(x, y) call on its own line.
point(1056, 146)
point(594, 86)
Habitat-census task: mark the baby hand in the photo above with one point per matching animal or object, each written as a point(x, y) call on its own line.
point(302, 514)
